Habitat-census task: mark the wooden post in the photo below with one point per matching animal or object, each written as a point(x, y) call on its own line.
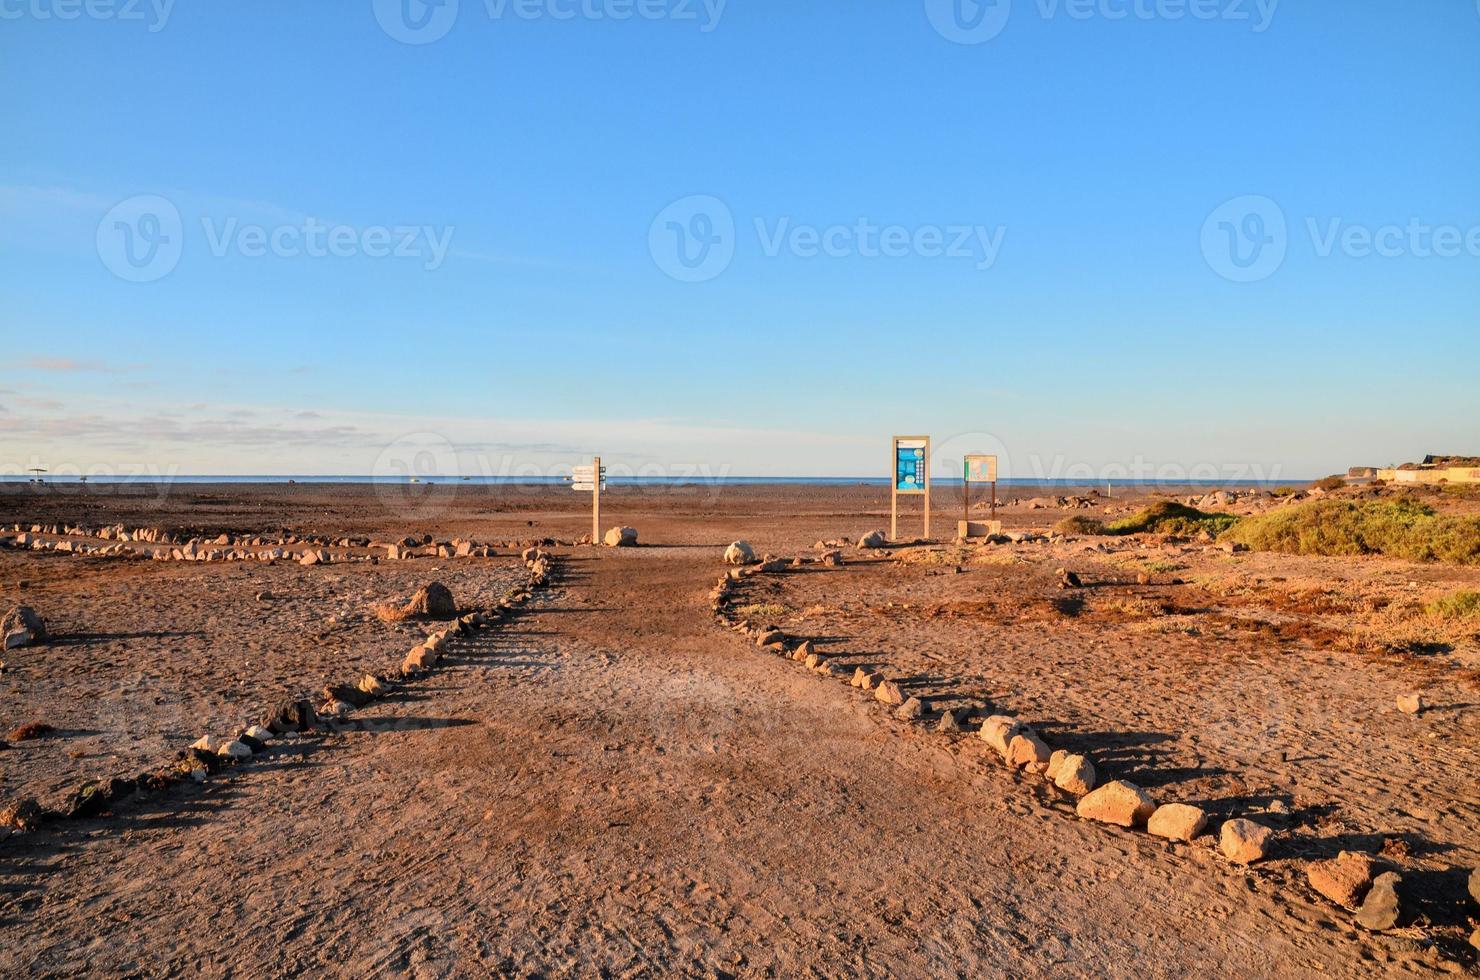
point(894, 489)
point(965, 499)
point(596, 500)
point(927, 488)
point(994, 500)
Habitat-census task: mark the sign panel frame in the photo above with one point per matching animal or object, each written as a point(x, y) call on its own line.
point(977, 468)
point(917, 465)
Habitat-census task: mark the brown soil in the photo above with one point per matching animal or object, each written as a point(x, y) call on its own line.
point(612, 783)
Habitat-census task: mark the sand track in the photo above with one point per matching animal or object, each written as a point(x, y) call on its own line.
point(615, 783)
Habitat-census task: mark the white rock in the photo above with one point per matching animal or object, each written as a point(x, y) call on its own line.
point(739, 553)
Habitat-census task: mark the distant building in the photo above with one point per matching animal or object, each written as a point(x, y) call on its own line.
point(1433, 470)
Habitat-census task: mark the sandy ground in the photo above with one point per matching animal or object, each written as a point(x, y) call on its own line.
point(612, 783)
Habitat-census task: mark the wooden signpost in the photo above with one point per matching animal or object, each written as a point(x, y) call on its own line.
point(976, 468)
point(910, 463)
point(593, 479)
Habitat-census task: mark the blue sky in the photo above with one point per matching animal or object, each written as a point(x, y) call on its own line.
point(534, 175)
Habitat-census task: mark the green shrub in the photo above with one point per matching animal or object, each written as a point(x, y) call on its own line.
point(1330, 483)
point(1167, 517)
point(1456, 605)
point(1079, 524)
point(1397, 528)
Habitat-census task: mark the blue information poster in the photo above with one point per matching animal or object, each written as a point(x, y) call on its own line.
point(909, 466)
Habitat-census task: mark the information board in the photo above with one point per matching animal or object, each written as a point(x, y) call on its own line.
point(981, 468)
point(910, 463)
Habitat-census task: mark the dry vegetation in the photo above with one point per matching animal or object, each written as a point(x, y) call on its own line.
point(1402, 528)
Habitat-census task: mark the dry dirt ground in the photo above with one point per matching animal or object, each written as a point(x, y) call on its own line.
point(614, 784)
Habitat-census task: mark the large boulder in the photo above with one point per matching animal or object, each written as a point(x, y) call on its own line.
point(22, 626)
point(740, 553)
point(1344, 879)
point(873, 539)
point(290, 716)
point(1119, 802)
point(998, 731)
point(1382, 909)
point(1244, 841)
point(1027, 750)
point(1074, 774)
point(1177, 821)
point(433, 601)
point(621, 537)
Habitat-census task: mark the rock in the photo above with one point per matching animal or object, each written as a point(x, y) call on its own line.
point(1382, 909)
point(1177, 821)
point(259, 733)
point(23, 619)
point(1056, 763)
point(620, 537)
point(1069, 580)
point(290, 716)
point(1344, 879)
point(432, 601)
point(873, 539)
point(873, 681)
point(21, 815)
point(860, 675)
point(1475, 938)
point(1475, 885)
point(336, 709)
point(999, 730)
point(889, 693)
point(831, 558)
point(344, 692)
point(264, 596)
point(740, 553)
point(1244, 841)
point(812, 660)
point(808, 649)
point(1027, 750)
point(89, 801)
point(419, 659)
point(950, 721)
point(911, 710)
point(1119, 803)
point(1411, 704)
point(829, 669)
point(235, 749)
point(16, 639)
point(1076, 774)
point(770, 637)
point(207, 743)
point(372, 686)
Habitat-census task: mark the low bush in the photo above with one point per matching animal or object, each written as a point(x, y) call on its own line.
point(1167, 517)
point(1079, 524)
point(1456, 605)
point(1330, 483)
point(1401, 528)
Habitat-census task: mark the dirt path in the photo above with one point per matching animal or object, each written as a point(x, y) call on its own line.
point(612, 783)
